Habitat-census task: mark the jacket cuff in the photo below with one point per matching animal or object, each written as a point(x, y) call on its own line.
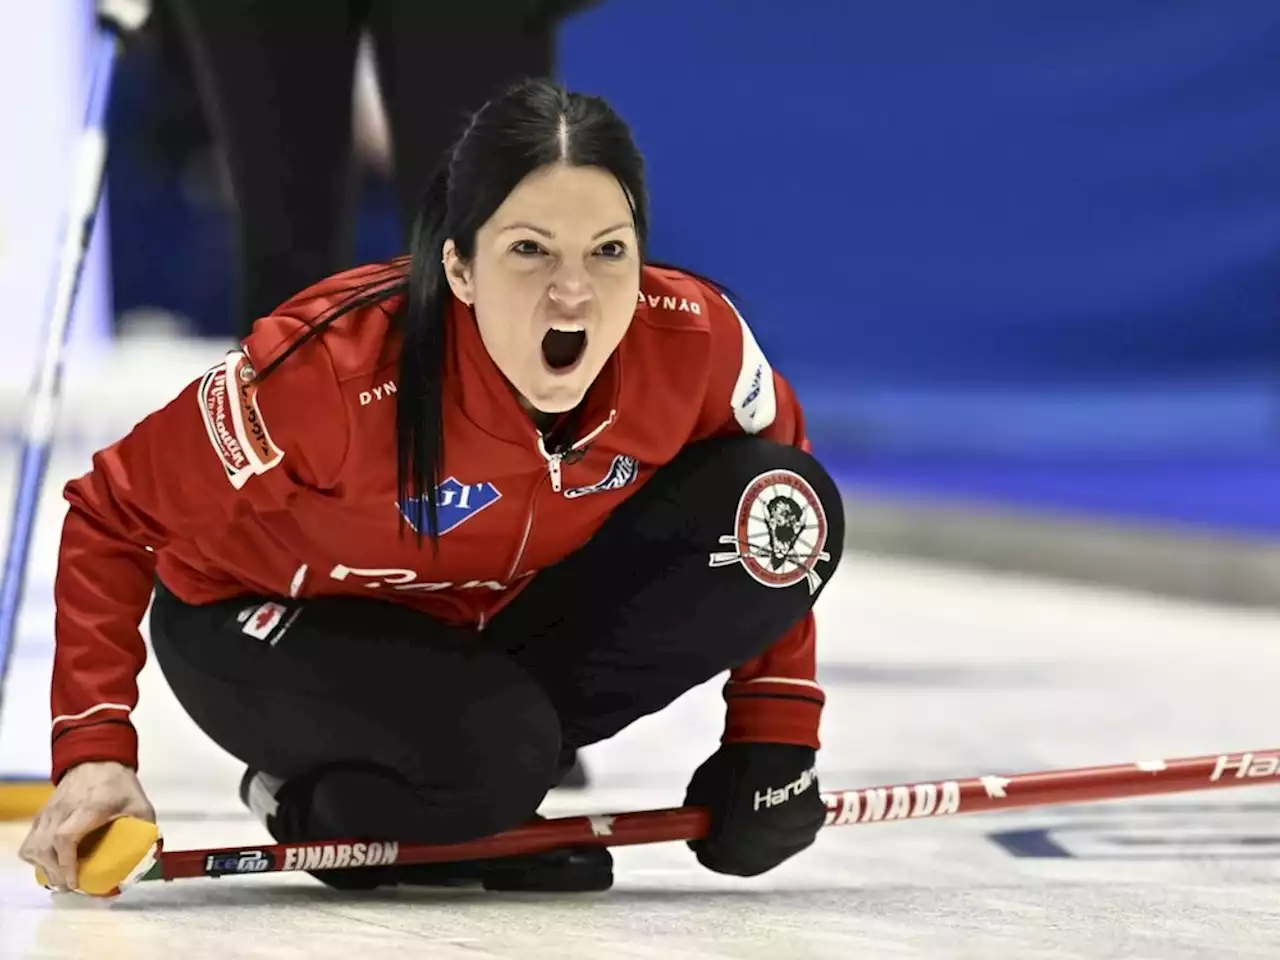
point(767, 712)
point(111, 741)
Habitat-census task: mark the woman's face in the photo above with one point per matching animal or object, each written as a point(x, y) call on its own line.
point(554, 282)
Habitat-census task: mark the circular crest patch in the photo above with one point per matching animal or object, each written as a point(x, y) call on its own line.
point(779, 533)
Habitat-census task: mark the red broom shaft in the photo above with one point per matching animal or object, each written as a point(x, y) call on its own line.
point(867, 805)
point(624, 829)
point(983, 794)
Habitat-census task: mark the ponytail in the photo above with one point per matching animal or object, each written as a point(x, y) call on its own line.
point(420, 391)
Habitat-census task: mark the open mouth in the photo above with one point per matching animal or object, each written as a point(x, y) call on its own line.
point(562, 349)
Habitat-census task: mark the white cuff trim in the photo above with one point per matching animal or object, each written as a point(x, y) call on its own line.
point(92, 710)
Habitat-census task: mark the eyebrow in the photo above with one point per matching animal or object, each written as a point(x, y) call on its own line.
point(521, 225)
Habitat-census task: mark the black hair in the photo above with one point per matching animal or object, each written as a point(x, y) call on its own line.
point(532, 125)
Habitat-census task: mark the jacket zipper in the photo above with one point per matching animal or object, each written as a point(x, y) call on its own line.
point(553, 470)
point(524, 540)
point(299, 578)
point(515, 563)
point(554, 459)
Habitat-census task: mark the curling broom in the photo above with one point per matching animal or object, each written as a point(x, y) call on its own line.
point(128, 851)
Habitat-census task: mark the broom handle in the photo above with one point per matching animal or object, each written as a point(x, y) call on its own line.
point(912, 801)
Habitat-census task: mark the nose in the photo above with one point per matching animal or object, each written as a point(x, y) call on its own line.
point(570, 289)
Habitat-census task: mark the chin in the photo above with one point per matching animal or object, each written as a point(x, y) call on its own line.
point(556, 398)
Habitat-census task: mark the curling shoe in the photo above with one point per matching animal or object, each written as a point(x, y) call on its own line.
point(572, 774)
point(282, 808)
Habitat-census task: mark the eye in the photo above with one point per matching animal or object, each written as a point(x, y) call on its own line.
point(527, 248)
point(612, 249)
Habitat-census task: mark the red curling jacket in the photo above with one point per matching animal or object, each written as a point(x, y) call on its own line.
point(288, 488)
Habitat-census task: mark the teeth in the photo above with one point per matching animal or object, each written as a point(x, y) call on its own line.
point(567, 327)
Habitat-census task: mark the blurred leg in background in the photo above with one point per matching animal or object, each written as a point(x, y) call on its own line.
point(277, 90)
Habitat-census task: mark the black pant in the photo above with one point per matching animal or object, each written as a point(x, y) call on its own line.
point(276, 79)
point(438, 734)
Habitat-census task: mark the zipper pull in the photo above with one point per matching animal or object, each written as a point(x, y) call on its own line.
point(553, 462)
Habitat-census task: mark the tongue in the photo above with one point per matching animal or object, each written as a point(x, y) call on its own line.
point(561, 348)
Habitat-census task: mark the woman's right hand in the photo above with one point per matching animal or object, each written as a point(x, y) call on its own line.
point(89, 796)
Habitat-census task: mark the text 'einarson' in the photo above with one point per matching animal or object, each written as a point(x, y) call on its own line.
point(335, 855)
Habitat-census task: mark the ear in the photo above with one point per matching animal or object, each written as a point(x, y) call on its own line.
point(458, 272)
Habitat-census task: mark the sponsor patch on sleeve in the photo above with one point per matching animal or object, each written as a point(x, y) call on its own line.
point(754, 400)
point(228, 400)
